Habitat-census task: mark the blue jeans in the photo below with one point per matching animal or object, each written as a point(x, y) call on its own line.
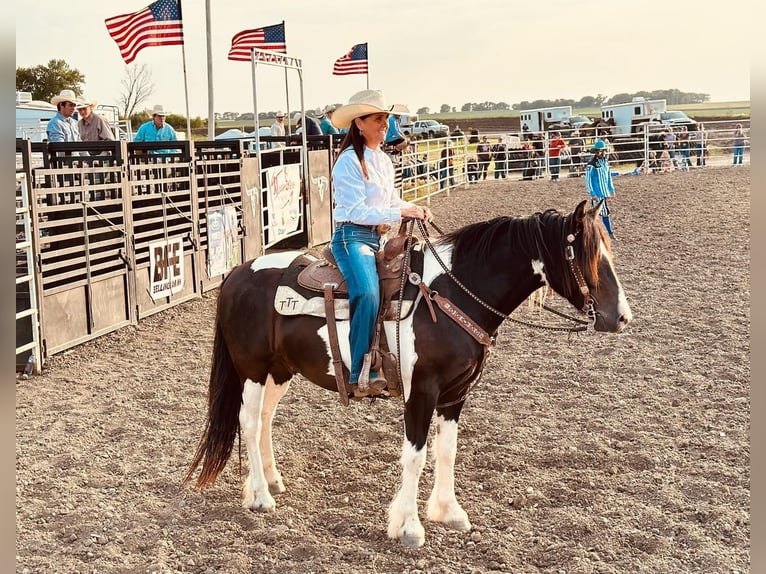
point(739, 153)
point(553, 163)
point(354, 249)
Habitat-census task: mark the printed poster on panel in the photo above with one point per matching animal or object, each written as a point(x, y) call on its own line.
point(223, 247)
point(166, 267)
point(283, 189)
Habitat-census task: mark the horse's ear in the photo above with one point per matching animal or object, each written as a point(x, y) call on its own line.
point(580, 213)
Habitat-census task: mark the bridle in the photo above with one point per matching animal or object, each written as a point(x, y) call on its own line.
point(580, 324)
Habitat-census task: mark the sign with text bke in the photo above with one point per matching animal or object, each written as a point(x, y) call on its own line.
point(166, 267)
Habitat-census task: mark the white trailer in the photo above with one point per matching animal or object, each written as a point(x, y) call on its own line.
point(32, 117)
point(633, 118)
point(537, 120)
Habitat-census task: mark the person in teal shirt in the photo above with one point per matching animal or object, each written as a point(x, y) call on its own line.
point(326, 124)
point(598, 182)
point(156, 130)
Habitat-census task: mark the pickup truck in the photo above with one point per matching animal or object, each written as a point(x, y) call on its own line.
point(426, 128)
point(676, 118)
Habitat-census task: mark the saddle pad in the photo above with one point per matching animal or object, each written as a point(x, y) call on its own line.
point(288, 301)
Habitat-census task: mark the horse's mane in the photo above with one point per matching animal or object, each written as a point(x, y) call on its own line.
point(542, 235)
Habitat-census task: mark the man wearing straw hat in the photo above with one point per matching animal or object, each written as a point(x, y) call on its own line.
point(63, 127)
point(93, 127)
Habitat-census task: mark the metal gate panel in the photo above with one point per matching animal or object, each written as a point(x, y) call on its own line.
point(217, 169)
point(252, 224)
point(319, 197)
point(82, 250)
point(163, 207)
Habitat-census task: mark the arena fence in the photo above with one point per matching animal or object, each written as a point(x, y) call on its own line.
point(118, 231)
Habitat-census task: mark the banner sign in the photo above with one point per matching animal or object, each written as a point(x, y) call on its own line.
point(222, 246)
point(166, 267)
point(283, 183)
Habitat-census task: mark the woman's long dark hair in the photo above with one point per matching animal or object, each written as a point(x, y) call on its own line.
point(355, 139)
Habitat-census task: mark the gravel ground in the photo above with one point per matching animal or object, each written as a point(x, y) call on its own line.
point(591, 454)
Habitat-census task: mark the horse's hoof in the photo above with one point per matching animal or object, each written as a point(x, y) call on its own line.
point(412, 540)
point(261, 503)
point(457, 524)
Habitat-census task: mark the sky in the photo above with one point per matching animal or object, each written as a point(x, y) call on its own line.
point(423, 53)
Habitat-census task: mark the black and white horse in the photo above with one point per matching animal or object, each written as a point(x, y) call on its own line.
point(484, 269)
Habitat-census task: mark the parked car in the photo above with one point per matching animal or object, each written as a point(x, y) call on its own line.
point(427, 128)
point(677, 118)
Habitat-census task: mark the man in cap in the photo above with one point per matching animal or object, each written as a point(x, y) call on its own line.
point(63, 127)
point(156, 129)
point(93, 127)
point(326, 123)
point(312, 127)
point(278, 129)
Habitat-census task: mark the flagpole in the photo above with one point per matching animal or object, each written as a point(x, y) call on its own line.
point(368, 66)
point(287, 91)
point(186, 83)
point(210, 106)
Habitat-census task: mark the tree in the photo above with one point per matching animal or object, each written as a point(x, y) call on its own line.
point(444, 109)
point(137, 87)
point(46, 81)
point(423, 111)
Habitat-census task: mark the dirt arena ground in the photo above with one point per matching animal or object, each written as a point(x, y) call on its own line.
point(591, 454)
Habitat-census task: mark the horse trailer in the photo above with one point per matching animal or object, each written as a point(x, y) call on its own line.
point(631, 118)
point(536, 120)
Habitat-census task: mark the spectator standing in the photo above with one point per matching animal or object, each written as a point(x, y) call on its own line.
point(701, 145)
point(63, 127)
point(684, 148)
point(156, 129)
point(326, 123)
point(93, 127)
point(446, 170)
point(671, 140)
point(555, 145)
point(739, 144)
point(278, 129)
point(484, 153)
point(312, 126)
point(576, 146)
point(598, 182)
point(500, 155)
point(472, 169)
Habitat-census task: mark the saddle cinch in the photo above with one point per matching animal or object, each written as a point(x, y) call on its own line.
point(323, 276)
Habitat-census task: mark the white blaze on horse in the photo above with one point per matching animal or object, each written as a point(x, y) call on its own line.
point(485, 270)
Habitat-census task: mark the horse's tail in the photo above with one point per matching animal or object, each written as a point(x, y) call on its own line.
point(222, 425)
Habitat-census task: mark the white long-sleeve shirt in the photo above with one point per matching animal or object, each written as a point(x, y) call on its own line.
point(366, 201)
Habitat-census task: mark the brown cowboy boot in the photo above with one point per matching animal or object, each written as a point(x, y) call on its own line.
point(375, 385)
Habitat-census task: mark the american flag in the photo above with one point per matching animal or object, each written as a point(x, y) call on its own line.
point(159, 24)
point(355, 62)
point(266, 38)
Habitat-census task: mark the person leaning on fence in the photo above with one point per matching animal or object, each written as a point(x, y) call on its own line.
point(62, 127)
point(365, 199)
point(684, 148)
point(484, 153)
point(93, 128)
point(739, 144)
point(598, 182)
point(156, 130)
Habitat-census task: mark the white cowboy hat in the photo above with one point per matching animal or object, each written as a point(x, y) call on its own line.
point(328, 109)
point(158, 110)
point(85, 102)
point(297, 117)
point(363, 103)
point(279, 114)
point(65, 96)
